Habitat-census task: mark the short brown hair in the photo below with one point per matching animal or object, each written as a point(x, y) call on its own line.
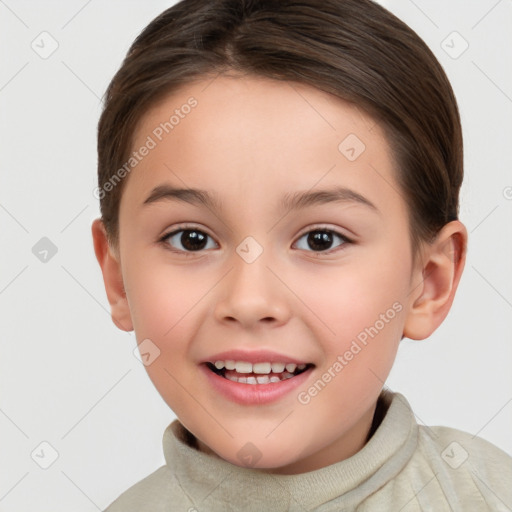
point(354, 49)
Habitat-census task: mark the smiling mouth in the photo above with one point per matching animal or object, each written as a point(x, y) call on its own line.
point(258, 373)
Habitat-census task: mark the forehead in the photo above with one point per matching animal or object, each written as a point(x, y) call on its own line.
point(255, 136)
point(254, 113)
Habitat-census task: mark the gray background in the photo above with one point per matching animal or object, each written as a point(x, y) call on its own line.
point(69, 378)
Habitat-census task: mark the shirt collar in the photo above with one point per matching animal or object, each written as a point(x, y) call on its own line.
point(211, 481)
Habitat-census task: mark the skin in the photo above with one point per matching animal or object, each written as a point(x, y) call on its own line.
point(249, 142)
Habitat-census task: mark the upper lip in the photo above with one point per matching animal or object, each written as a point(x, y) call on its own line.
point(256, 356)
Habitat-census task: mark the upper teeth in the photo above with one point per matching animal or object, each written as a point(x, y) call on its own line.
point(263, 368)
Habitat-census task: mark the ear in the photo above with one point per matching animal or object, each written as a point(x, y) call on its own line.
point(438, 273)
point(112, 277)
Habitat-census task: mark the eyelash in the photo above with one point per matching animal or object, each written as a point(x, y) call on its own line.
point(164, 239)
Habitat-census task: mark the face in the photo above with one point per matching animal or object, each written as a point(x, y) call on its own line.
point(272, 298)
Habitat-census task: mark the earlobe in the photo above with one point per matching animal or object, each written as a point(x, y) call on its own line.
point(438, 277)
point(112, 277)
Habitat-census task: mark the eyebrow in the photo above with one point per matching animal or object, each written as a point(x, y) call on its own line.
point(289, 201)
point(335, 195)
point(189, 195)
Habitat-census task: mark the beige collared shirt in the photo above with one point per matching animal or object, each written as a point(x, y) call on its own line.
point(403, 467)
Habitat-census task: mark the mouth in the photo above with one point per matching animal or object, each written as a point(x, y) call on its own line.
point(260, 373)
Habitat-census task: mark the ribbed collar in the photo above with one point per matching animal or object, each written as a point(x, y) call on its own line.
point(214, 483)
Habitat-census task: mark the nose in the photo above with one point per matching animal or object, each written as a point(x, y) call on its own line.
point(251, 295)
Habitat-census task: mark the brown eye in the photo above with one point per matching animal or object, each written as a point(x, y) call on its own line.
point(189, 240)
point(319, 240)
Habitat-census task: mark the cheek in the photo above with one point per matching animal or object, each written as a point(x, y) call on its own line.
point(165, 304)
point(362, 319)
point(161, 297)
point(359, 304)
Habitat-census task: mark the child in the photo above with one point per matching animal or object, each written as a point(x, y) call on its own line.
point(279, 196)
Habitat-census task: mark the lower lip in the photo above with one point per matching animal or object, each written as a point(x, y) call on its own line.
point(254, 394)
